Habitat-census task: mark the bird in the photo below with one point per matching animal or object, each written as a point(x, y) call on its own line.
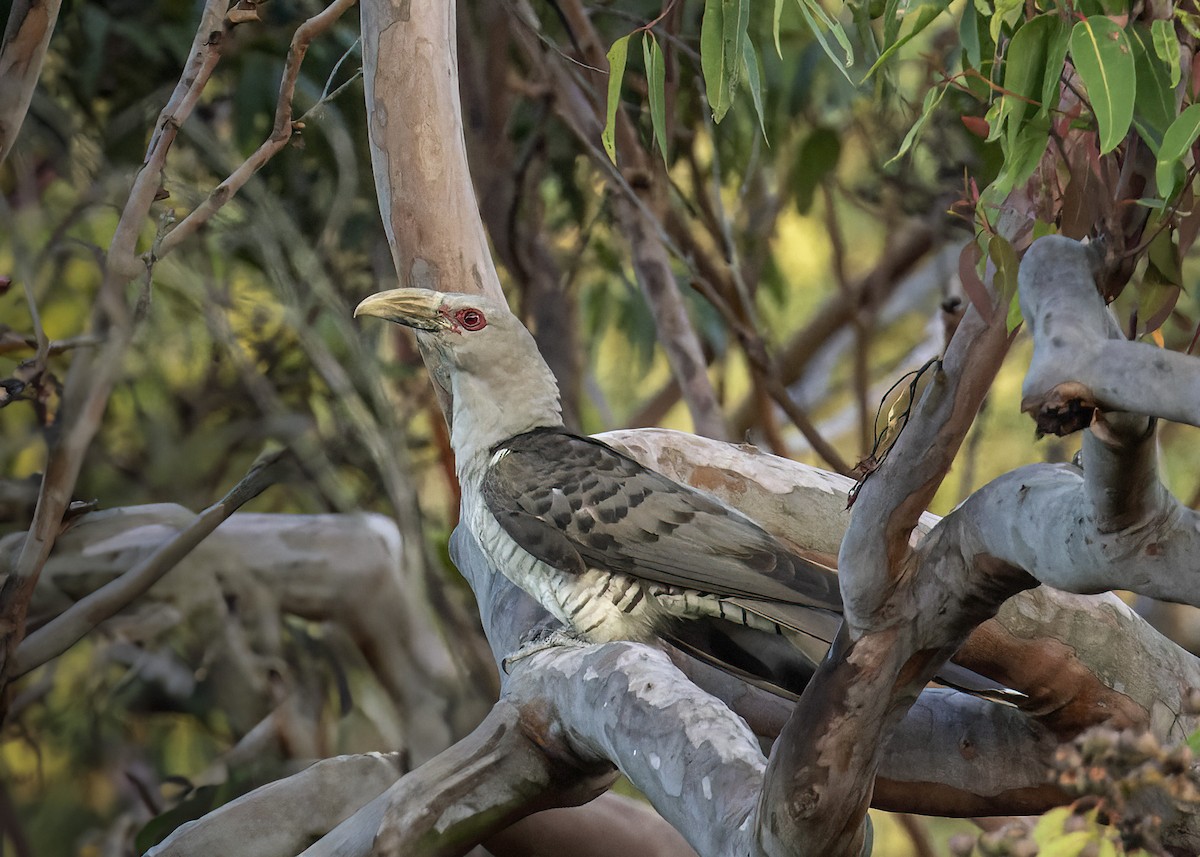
point(611, 548)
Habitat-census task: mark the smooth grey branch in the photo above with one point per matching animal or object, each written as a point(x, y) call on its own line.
point(1081, 360)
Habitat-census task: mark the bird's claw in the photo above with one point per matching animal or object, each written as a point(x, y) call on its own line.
point(541, 640)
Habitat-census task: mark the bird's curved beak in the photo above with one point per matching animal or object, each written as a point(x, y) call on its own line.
point(419, 308)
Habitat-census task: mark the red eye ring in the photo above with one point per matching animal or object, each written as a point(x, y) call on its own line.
point(471, 319)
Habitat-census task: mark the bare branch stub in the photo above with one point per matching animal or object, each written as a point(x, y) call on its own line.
point(1081, 358)
point(1064, 409)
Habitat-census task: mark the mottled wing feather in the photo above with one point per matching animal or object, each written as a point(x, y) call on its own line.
point(622, 517)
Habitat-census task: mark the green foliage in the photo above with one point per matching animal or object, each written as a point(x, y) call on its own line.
point(1154, 107)
point(652, 56)
point(818, 21)
point(722, 52)
point(1177, 141)
point(926, 13)
point(241, 319)
point(1104, 62)
point(617, 55)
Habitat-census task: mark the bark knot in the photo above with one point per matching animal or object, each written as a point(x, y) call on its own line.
point(1062, 410)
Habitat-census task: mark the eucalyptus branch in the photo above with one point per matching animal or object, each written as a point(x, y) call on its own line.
point(26, 38)
point(71, 626)
point(90, 379)
point(281, 131)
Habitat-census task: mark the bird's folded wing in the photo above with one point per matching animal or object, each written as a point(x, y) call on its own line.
point(619, 516)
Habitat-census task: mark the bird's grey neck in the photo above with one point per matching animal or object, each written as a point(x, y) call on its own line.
point(482, 420)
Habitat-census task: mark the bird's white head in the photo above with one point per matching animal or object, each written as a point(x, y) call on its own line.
point(500, 384)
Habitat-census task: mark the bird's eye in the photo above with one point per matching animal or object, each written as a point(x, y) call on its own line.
point(471, 319)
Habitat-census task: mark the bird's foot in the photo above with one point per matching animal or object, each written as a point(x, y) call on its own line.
point(540, 640)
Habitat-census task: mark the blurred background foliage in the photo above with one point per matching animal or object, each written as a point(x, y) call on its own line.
point(247, 338)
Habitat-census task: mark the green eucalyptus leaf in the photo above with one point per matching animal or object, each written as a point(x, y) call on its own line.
point(712, 59)
point(818, 21)
point(736, 22)
point(618, 54)
point(968, 37)
point(922, 18)
point(1007, 13)
point(1154, 107)
point(1104, 60)
point(1166, 46)
point(775, 26)
point(1022, 153)
point(1057, 44)
point(754, 82)
point(1004, 262)
point(1176, 143)
point(656, 85)
point(1028, 65)
point(893, 17)
point(933, 98)
point(722, 33)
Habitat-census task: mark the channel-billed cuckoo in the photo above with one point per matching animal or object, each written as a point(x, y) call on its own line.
point(612, 549)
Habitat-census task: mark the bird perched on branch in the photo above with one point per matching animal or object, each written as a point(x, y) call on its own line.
point(614, 550)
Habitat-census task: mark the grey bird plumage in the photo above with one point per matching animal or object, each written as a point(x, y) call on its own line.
point(614, 550)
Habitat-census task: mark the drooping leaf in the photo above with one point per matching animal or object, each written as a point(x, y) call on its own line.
point(736, 22)
point(754, 82)
point(995, 120)
point(1176, 142)
point(968, 37)
point(1104, 61)
point(1006, 13)
point(775, 18)
point(1166, 47)
point(1022, 153)
point(1013, 318)
point(968, 274)
point(1027, 66)
point(1004, 270)
point(818, 21)
point(925, 15)
point(617, 56)
point(656, 82)
point(893, 17)
point(1056, 57)
point(722, 32)
point(1154, 107)
point(932, 99)
point(1164, 256)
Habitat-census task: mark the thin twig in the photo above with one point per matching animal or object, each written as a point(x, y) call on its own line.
point(281, 130)
point(74, 623)
point(90, 380)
